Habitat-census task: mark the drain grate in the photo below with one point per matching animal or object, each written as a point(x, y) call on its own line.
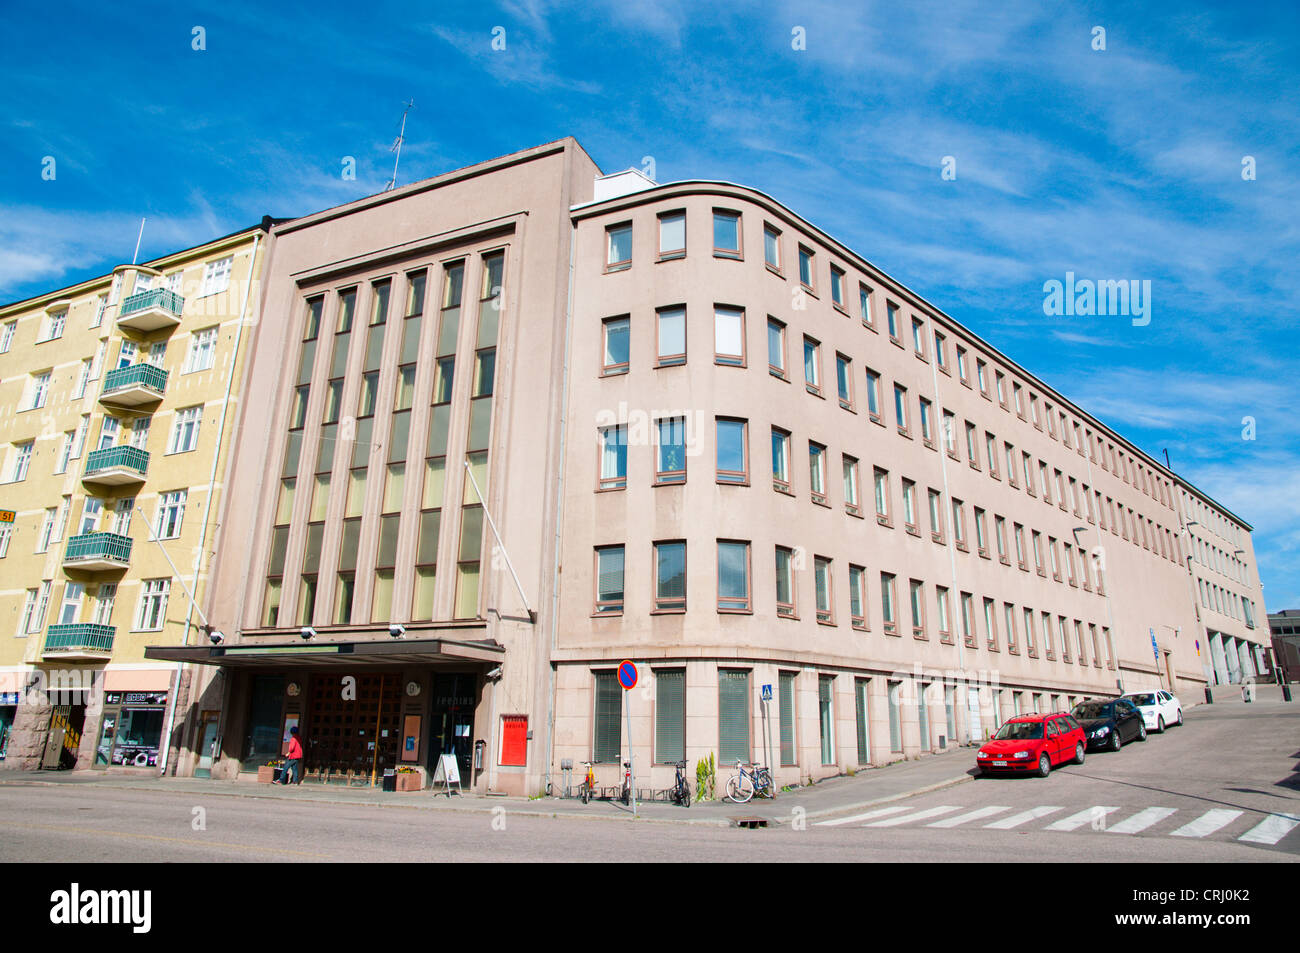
point(749, 823)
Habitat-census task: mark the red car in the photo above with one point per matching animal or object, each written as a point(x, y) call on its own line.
point(1033, 743)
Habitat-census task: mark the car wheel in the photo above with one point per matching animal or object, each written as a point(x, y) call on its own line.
point(1044, 765)
point(1115, 743)
point(1180, 717)
point(1142, 732)
point(1078, 753)
point(1160, 724)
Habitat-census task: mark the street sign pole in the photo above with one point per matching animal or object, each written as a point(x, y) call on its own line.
point(627, 678)
point(767, 736)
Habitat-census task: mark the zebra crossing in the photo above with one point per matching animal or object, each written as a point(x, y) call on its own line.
point(1267, 831)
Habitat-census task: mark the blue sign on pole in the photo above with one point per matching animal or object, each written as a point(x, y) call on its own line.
point(627, 675)
point(1155, 649)
point(767, 693)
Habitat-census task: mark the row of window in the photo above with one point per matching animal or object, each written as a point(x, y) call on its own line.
point(735, 719)
point(1226, 602)
point(216, 279)
point(150, 614)
point(1212, 520)
point(727, 233)
point(734, 595)
point(54, 524)
point(1212, 557)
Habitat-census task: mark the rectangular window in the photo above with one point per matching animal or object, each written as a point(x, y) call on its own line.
point(844, 381)
point(851, 502)
point(785, 590)
point(202, 353)
point(617, 335)
point(37, 389)
point(613, 457)
point(780, 460)
point(7, 336)
point(817, 471)
point(618, 243)
point(216, 276)
point(607, 721)
point(887, 602)
point(670, 715)
point(729, 336)
point(941, 605)
point(864, 305)
point(990, 625)
point(826, 717)
point(171, 513)
point(185, 430)
point(733, 716)
point(858, 597)
point(812, 360)
point(609, 580)
point(881, 478)
point(900, 410)
point(733, 576)
point(968, 619)
point(958, 525)
point(785, 701)
point(153, 604)
point(22, 460)
point(918, 337)
point(927, 423)
point(806, 267)
point(825, 600)
point(776, 348)
point(873, 397)
point(733, 451)
point(936, 515)
point(909, 507)
point(940, 352)
point(837, 287)
point(670, 576)
point(916, 590)
point(772, 248)
point(950, 433)
point(672, 235)
point(891, 313)
point(671, 450)
point(1009, 620)
point(672, 336)
point(895, 716)
point(726, 234)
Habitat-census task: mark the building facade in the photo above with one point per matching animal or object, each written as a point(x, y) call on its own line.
point(118, 397)
point(509, 426)
point(1284, 628)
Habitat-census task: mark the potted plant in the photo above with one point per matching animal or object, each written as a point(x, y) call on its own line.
point(409, 779)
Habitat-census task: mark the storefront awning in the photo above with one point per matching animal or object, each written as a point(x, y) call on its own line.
point(348, 654)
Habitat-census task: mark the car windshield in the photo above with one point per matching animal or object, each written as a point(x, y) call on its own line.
point(1092, 710)
point(1143, 699)
point(1019, 731)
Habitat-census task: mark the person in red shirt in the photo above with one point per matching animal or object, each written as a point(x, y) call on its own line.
point(293, 760)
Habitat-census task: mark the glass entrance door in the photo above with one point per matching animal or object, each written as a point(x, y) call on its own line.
point(451, 728)
point(207, 743)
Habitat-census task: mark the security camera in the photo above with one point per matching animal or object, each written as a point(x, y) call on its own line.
point(495, 673)
point(216, 637)
point(397, 630)
point(308, 632)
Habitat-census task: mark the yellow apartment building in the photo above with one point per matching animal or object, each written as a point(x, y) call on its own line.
point(117, 399)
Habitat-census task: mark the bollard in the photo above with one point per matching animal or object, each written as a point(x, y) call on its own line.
point(1286, 692)
point(1209, 697)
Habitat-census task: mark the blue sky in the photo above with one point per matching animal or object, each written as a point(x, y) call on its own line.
point(1122, 163)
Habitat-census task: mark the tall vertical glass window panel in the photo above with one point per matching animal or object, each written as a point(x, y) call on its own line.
point(617, 345)
point(785, 702)
point(672, 234)
point(729, 336)
point(415, 283)
point(613, 457)
point(671, 466)
point(491, 299)
point(478, 469)
point(672, 336)
point(733, 716)
point(670, 716)
point(379, 310)
point(733, 463)
point(449, 321)
point(467, 568)
point(607, 734)
point(895, 719)
point(825, 722)
point(374, 346)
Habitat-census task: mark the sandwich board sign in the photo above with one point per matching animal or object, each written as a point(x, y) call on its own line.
point(447, 773)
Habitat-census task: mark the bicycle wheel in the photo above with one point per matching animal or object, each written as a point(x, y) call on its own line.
point(686, 792)
point(740, 788)
point(586, 792)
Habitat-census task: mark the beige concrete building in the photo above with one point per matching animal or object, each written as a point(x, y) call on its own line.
point(119, 396)
point(824, 519)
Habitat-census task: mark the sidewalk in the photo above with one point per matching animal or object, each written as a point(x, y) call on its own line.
point(869, 787)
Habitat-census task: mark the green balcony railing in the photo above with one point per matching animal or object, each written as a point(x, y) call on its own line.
point(157, 298)
point(80, 637)
point(132, 458)
point(136, 375)
point(96, 546)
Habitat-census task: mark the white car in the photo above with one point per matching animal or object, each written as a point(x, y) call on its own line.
point(1159, 708)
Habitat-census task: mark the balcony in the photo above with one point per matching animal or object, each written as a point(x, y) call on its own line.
point(98, 552)
point(116, 466)
point(134, 385)
point(80, 640)
point(151, 310)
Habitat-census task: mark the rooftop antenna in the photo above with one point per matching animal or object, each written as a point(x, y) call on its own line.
point(136, 256)
point(397, 146)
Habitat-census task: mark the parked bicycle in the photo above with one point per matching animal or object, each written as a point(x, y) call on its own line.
point(625, 795)
point(681, 787)
point(751, 780)
point(587, 790)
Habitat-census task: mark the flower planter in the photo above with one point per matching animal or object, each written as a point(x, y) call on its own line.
point(410, 782)
point(265, 774)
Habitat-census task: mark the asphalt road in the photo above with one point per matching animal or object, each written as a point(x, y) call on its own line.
point(1226, 772)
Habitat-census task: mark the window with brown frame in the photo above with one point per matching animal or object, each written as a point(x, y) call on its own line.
point(888, 603)
point(858, 597)
point(963, 371)
point(726, 234)
point(891, 315)
point(670, 450)
point(936, 515)
point(909, 508)
point(613, 457)
point(824, 586)
point(1069, 565)
point(874, 398)
point(1048, 651)
point(981, 532)
point(729, 335)
point(950, 434)
point(844, 380)
point(968, 619)
point(864, 305)
point(982, 377)
point(609, 581)
point(672, 336)
point(807, 277)
point(959, 525)
point(733, 576)
point(918, 338)
point(781, 460)
point(972, 445)
point(944, 610)
point(733, 450)
point(616, 334)
point(1022, 558)
point(991, 451)
point(618, 247)
point(670, 576)
point(817, 472)
point(1010, 452)
point(812, 360)
point(1031, 645)
point(941, 352)
point(772, 248)
point(990, 625)
point(1009, 618)
point(785, 588)
point(776, 348)
point(1036, 540)
point(837, 289)
point(900, 410)
point(852, 503)
point(672, 235)
point(1000, 533)
point(927, 424)
point(916, 596)
point(882, 497)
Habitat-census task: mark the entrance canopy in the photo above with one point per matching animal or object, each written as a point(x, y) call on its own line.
point(342, 654)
